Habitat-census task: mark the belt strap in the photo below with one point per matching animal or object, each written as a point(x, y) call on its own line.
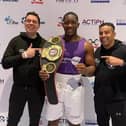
point(51, 56)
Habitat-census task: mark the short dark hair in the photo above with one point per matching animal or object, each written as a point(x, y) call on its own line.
point(33, 13)
point(68, 13)
point(108, 24)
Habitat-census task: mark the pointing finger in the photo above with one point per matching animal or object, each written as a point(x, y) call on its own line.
point(105, 57)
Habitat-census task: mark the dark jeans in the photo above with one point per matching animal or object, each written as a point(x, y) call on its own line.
point(115, 110)
point(18, 98)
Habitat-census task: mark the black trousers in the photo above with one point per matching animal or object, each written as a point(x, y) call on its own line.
point(116, 111)
point(18, 98)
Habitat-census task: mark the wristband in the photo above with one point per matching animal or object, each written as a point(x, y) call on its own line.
point(24, 55)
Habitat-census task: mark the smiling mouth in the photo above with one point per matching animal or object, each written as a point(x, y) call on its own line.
point(69, 31)
point(104, 40)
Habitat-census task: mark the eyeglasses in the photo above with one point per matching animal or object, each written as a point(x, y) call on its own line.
point(28, 21)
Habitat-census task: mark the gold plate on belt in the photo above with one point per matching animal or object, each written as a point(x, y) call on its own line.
point(52, 53)
point(54, 40)
point(49, 67)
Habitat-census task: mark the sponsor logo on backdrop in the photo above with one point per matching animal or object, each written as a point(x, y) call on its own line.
point(10, 20)
point(37, 1)
point(92, 21)
point(100, 1)
point(121, 22)
point(1, 81)
point(84, 21)
point(3, 118)
point(59, 24)
point(90, 122)
point(23, 19)
point(9, 0)
point(94, 42)
point(68, 1)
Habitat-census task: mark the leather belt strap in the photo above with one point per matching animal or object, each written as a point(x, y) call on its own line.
point(51, 56)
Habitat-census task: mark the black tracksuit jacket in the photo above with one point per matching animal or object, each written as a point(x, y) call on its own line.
point(110, 84)
point(25, 71)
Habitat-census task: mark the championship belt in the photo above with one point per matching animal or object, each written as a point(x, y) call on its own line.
point(51, 55)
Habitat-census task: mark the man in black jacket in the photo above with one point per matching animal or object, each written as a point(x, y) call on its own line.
point(22, 54)
point(110, 78)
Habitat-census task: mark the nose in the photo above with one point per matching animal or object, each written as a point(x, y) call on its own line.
point(69, 25)
point(104, 34)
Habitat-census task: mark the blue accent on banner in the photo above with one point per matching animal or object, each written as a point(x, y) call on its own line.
point(120, 23)
point(100, 1)
point(90, 122)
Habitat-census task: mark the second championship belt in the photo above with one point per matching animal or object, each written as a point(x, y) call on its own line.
point(51, 55)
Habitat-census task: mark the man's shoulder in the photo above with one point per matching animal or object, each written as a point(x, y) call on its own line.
point(121, 43)
point(98, 48)
point(98, 51)
point(43, 39)
point(15, 38)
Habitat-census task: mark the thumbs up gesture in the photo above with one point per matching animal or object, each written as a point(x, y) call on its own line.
point(30, 52)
